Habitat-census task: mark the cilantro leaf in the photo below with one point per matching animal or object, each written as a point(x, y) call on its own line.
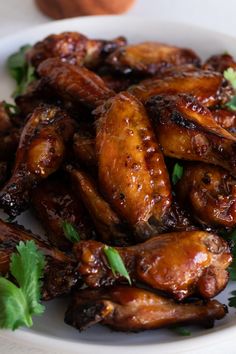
point(19, 303)
point(21, 71)
point(177, 173)
point(116, 263)
point(181, 331)
point(230, 75)
point(231, 104)
point(10, 108)
point(70, 232)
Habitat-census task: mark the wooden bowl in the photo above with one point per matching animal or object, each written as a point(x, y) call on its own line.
point(58, 9)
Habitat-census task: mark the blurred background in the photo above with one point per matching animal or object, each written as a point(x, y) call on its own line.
point(219, 15)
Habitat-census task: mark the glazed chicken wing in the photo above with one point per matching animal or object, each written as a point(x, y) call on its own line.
point(74, 48)
point(187, 130)
point(181, 264)
point(132, 171)
point(59, 276)
point(110, 227)
point(210, 88)
point(55, 203)
point(210, 193)
point(84, 147)
point(133, 309)
point(220, 62)
point(40, 153)
point(75, 84)
point(150, 58)
point(226, 119)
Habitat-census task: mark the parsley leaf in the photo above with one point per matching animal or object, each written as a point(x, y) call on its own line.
point(116, 263)
point(10, 108)
point(18, 304)
point(177, 173)
point(21, 71)
point(70, 232)
point(230, 75)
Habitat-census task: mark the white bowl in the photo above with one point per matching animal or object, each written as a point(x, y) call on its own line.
point(49, 331)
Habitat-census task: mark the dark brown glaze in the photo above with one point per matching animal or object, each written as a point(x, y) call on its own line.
point(40, 153)
point(73, 83)
point(150, 57)
point(132, 171)
point(179, 263)
point(132, 309)
point(55, 203)
point(109, 226)
point(84, 147)
point(210, 193)
point(117, 83)
point(3, 172)
point(187, 130)
point(210, 88)
point(220, 62)
point(60, 274)
point(74, 48)
point(226, 119)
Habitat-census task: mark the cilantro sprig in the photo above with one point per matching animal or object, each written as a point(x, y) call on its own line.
point(115, 262)
point(177, 173)
point(19, 303)
point(181, 331)
point(230, 75)
point(70, 232)
point(21, 71)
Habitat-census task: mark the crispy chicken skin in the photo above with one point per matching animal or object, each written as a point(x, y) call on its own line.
point(132, 309)
point(220, 62)
point(226, 119)
point(187, 130)
point(210, 193)
point(84, 148)
point(180, 264)
point(110, 227)
point(40, 153)
point(74, 48)
point(59, 276)
point(150, 58)
point(55, 203)
point(210, 88)
point(132, 171)
point(73, 83)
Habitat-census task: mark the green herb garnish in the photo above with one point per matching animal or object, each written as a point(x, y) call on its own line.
point(19, 303)
point(70, 232)
point(177, 173)
point(232, 299)
point(21, 71)
point(181, 331)
point(10, 108)
point(230, 75)
point(116, 263)
point(231, 104)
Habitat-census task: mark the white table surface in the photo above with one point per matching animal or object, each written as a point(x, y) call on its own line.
point(16, 15)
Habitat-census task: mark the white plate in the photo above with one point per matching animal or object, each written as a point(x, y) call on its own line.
point(49, 331)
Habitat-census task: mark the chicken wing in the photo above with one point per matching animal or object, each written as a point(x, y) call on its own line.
point(132, 309)
point(132, 171)
point(181, 264)
point(59, 275)
point(226, 119)
point(74, 48)
point(40, 153)
point(210, 193)
point(220, 62)
point(150, 58)
point(55, 203)
point(108, 224)
point(75, 84)
point(187, 130)
point(84, 147)
point(210, 88)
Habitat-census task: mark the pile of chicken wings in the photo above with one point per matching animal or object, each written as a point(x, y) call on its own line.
point(95, 143)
